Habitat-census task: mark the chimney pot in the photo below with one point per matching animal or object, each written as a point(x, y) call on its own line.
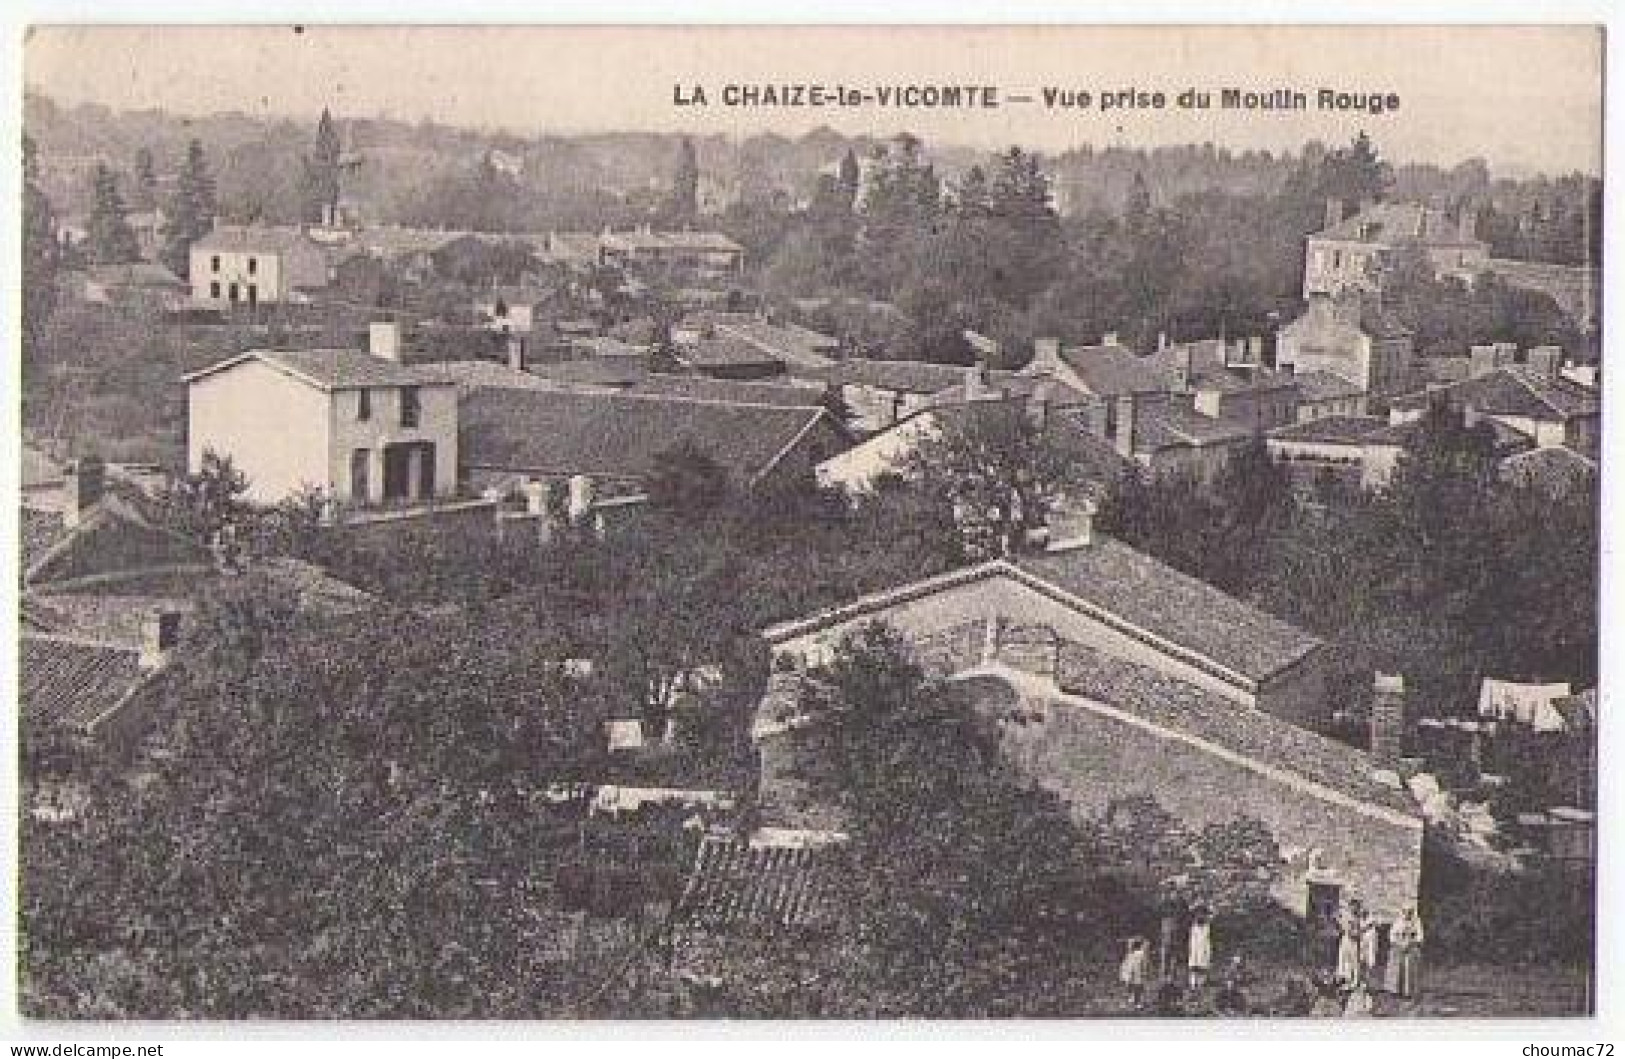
point(1046, 354)
point(581, 497)
point(384, 339)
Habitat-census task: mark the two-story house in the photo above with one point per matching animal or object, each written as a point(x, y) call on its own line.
point(359, 426)
point(253, 265)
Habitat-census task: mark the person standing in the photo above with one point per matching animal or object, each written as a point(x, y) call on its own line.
point(1348, 949)
point(1370, 952)
point(1200, 952)
point(1405, 955)
point(1135, 970)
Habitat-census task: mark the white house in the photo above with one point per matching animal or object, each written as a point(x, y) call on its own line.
point(358, 425)
point(253, 264)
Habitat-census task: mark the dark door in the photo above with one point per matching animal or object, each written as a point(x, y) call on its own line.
point(397, 472)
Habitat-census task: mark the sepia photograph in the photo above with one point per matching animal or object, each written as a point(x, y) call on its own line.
point(808, 522)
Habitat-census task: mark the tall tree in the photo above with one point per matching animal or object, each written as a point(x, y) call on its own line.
point(848, 178)
point(324, 171)
point(191, 211)
point(144, 195)
point(998, 472)
point(685, 186)
point(110, 238)
point(41, 253)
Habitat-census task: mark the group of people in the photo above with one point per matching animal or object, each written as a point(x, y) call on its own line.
point(1366, 961)
point(1361, 956)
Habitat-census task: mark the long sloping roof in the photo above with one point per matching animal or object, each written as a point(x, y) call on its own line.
point(899, 376)
point(788, 342)
point(1110, 369)
point(112, 539)
point(1254, 734)
point(702, 388)
point(618, 434)
point(73, 682)
point(1190, 613)
point(1324, 386)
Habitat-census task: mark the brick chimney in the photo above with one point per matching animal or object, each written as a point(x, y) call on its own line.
point(535, 497)
point(1467, 222)
point(85, 481)
point(1334, 213)
point(516, 352)
point(384, 339)
point(160, 632)
point(975, 383)
point(1109, 339)
point(1123, 434)
point(1046, 355)
point(1482, 360)
point(1388, 721)
point(581, 497)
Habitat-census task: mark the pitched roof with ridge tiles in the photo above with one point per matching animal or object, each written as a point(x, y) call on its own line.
point(618, 434)
point(736, 885)
point(72, 682)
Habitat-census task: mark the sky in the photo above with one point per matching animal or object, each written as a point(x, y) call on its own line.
point(1524, 98)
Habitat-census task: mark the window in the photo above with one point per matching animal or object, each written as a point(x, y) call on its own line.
point(363, 406)
point(253, 265)
point(214, 263)
point(411, 410)
point(233, 294)
point(214, 289)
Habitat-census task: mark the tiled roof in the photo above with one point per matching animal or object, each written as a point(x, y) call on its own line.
point(613, 372)
point(618, 435)
point(1170, 425)
point(1505, 439)
point(1393, 222)
point(1158, 599)
point(1336, 430)
point(1255, 734)
point(73, 682)
point(1577, 709)
point(113, 538)
point(795, 345)
point(726, 351)
point(1109, 370)
point(112, 617)
point(332, 369)
point(900, 376)
point(473, 374)
point(738, 886)
point(1324, 386)
point(701, 388)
